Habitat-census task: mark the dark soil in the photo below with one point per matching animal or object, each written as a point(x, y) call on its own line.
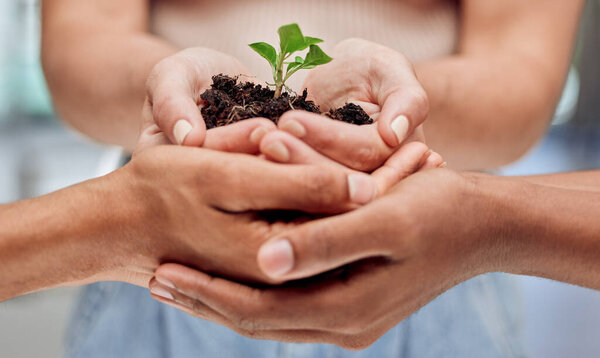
point(228, 101)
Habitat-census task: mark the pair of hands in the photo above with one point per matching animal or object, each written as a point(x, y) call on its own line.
point(381, 81)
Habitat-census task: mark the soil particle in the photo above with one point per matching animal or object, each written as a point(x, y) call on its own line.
point(228, 101)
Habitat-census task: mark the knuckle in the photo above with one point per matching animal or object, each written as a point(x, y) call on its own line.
point(321, 186)
point(420, 102)
point(163, 106)
point(366, 158)
point(323, 247)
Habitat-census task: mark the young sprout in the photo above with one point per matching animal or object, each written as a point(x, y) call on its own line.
point(291, 40)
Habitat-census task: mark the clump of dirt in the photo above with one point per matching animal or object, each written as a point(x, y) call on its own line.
point(228, 101)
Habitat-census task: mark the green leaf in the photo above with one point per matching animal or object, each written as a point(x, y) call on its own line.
point(293, 67)
point(291, 38)
point(311, 41)
point(299, 59)
point(315, 57)
point(267, 51)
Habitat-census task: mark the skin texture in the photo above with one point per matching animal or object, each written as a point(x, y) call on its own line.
point(471, 224)
point(175, 203)
point(487, 104)
point(522, 48)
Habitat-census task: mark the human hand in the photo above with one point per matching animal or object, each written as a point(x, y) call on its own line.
point(427, 234)
point(173, 91)
point(198, 207)
point(380, 80)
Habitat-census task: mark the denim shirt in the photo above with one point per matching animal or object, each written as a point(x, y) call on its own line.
point(478, 318)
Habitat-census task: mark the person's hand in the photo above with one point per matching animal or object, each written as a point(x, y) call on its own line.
point(198, 207)
point(427, 234)
point(173, 91)
point(380, 80)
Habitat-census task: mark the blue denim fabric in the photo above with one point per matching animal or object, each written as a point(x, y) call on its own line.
point(479, 318)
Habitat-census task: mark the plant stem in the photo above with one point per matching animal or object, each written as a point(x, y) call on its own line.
point(278, 89)
point(279, 81)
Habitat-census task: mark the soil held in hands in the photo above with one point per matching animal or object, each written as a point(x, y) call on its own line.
point(228, 101)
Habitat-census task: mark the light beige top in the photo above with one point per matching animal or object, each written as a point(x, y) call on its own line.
point(420, 29)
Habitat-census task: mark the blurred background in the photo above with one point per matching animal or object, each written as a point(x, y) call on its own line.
point(38, 155)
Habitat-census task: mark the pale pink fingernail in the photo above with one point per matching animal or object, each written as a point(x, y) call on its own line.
point(278, 151)
point(400, 127)
point(293, 127)
point(276, 257)
point(161, 292)
point(163, 281)
point(361, 188)
point(257, 134)
point(181, 130)
point(443, 165)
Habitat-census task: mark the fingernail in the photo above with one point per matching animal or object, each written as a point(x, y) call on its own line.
point(276, 257)
point(400, 127)
point(443, 165)
point(161, 292)
point(425, 157)
point(257, 134)
point(278, 151)
point(362, 188)
point(293, 127)
point(165, 282)
point(181, 130)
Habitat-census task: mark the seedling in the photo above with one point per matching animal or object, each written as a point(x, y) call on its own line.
point(291, 40)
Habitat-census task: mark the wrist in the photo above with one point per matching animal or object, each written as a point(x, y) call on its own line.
point(497, 212)
point(125, 227)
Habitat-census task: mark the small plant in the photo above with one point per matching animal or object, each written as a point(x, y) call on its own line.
point(291, 40)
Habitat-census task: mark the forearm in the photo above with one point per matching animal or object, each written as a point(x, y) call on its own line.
point(97, 81)
point(543, 230)
point(96, 56)
point(67, 237)
point(482, 116)
point(493, 99)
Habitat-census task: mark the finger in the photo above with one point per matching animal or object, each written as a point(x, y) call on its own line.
point(321, 245)
point(186, 302)
point(435, 160)
point(312, 306)
point(240, 137)
point(404, 162)
point(282, 147)
point(150, 134)
point(403, 110)
point(357, 147)
point(174, 98)
point(248, 183)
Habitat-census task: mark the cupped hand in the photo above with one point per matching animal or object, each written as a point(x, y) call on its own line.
point(380, 80)
point(199, 207)
point(173, 91)
point(403, 250)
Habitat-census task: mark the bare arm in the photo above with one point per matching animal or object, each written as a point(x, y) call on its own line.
point(66, 237)
point(493, 99)
point(549, 230)
point(96, 57)
point(471, 224)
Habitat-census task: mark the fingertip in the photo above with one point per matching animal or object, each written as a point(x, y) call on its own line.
point(294, 127)
point(196, 137)
point(261, 127)
point(181, 129)
point(276, 258)
point(362, 189)
point(435, 160)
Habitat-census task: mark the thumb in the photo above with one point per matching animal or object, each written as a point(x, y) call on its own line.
point(321, 245)
point(403, 110)
point(174, 100)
